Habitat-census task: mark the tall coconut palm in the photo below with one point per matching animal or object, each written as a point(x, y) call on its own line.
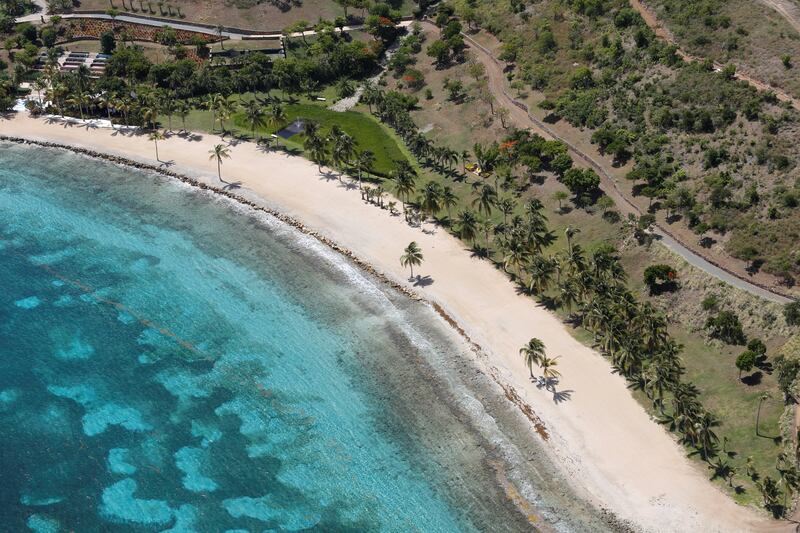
point(569, 233)
point(76, 101)
point(516, 256)
point(227, 108)
point(533, 352)
point(485, 199)
point(317, 146)
point(467, 224)
point(364, 162)
point(761, 399)
point(431, 200)
point(168, 107)
point(412, 256)
point(150, 115)
point(218, 153)
point(212, 102)
point(506, 206)
point(255, 116)
point(106, 101)
point(182, 109)
point(548, 365)
point(404, 183)
point(155, 137)
point(344, 147)
point(449, 199)
point(277, 118)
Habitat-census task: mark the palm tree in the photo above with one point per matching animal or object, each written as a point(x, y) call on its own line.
point(547, 365)
point(218, 153)
point(155, 137)
point(212, 103)
point(485, 200)
point(371, 95)
point(150, 115)
point(254, 116)
point(364, 162)
point(317, 146)
point(533, 352)
point(431, 201)
point(404, 177)
point(507, 206)
point(182, 109)
point(449, 199)
point(516, 256)
point(569, 233)
point(467, 226)
point(412, 256)
point(344, 146)
point(277, 117)
point(226, 109)
point(106, 100)
point(76, 100)
point(168, 107)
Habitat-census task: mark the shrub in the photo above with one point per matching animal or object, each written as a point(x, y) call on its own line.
point(757, 346)
point(792, 313)
point(581, 182)
point(414, 79)
point(660, 278)
point(726, 327)
point(107, 42)
point(746, 361)
point(786, 370)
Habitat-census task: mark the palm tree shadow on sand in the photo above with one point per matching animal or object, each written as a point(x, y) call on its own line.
point(549, 384)
point(422, 281)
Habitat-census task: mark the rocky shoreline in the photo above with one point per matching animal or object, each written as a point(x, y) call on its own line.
point(511, 394)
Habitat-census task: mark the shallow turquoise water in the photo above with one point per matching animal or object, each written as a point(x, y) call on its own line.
point(171, 364)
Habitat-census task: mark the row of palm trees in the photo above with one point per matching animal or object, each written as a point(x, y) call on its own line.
point(590, 288)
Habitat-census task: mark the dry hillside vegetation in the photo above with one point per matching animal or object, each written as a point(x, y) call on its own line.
point(708, 152)
point(748, 33)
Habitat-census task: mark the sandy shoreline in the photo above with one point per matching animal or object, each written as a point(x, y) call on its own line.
point(603, 439)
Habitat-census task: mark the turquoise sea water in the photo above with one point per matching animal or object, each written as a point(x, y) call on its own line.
point(170, 363)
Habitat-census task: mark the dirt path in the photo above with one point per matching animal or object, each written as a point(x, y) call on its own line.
point(787, 9)
point(520, 116)
point(791, 13)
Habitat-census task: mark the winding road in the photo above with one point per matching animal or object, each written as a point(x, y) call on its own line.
point(521, 116)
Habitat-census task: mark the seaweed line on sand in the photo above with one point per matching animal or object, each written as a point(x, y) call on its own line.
point(606, 515)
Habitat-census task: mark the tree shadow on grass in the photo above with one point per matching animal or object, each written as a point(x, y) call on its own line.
point(753, 379)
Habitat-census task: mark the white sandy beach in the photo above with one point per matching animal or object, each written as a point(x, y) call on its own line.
point(603, 438)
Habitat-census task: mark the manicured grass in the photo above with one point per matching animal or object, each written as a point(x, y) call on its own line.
point(368, 133)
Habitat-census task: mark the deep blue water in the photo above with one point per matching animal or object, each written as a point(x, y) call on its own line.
point(171, 364)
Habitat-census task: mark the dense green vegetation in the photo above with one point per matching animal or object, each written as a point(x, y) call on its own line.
point(704, 146)
point(668, 119)
point(718, 390)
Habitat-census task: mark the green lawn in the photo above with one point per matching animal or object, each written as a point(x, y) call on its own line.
point(368, 133)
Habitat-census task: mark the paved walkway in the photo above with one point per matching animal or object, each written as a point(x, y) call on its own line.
point(229, 33)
